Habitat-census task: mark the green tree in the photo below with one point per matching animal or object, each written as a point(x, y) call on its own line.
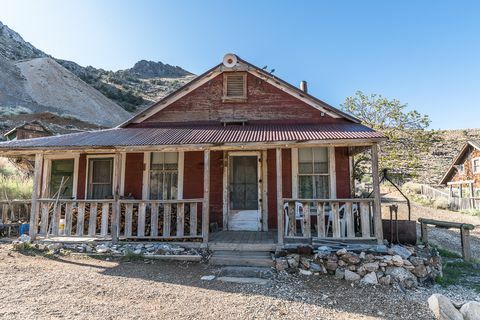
point(406, 130)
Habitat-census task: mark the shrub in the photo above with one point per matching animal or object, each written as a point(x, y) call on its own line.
point(440, 204)
point(412, 188)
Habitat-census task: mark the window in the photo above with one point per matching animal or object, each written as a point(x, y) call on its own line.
point(476, 165)
point(61, 169)
point(313, 175)
point(460, 168)
point(100, 178)
point(164, 176)
point(235, 86)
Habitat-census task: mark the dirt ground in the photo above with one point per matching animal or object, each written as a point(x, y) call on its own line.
point(66, 287)
point(446, 238)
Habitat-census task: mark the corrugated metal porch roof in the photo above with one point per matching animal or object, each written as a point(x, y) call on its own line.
point(201, 135)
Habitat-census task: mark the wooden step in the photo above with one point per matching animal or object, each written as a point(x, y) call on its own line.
point(241, 258)
point(266, 247)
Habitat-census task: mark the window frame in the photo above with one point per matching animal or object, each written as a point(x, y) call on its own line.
point(225, 97)
point(87, 175)
point(147, 156)
point(47, 170)
point(473, 165)
point(330, 172)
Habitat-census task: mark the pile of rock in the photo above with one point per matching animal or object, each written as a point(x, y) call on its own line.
point(405, 266)
point(444, 309)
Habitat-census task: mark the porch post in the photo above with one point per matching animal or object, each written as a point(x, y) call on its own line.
point(37, 186)
point(377, 206)
point(117, 164)
point(278, 162)
point(206, 195)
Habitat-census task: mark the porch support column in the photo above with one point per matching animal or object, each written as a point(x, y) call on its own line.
point(278, 162)
point(37, 188)
point(117, 165)
point(377, 206)
point(206, 195)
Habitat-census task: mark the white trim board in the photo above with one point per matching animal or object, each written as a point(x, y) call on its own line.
point(47, 167)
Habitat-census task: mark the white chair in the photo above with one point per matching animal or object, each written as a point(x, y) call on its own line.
point(298, 216)
point(343, 219)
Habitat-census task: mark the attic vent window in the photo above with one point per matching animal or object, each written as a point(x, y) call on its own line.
point(235, 86)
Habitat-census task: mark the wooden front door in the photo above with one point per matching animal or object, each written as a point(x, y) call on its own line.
point(244, 209)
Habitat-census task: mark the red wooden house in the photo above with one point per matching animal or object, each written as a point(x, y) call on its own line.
point(235, 150)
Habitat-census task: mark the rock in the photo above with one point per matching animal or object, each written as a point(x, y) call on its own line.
point(208, 278)
point(342, 263)
point(304, 263)
point(305, 272)
point(371, 266)
point(416, 261)
point(420, 271)
point(351, 276)
point(54, 247)
point(137, 251)
point(315, 267)
point(341, 252)
point(381, 248)
point(18, 245)
point(471, 310)
point(331, 265)
point(385, 280)
point(362, 255)
point(370, 278)
point(401, 251)
point(339, 274)
point(101, 248)
point(24, 238)
point(281, 264)
point(404, 277)
point(442, 308)
point(293, 260)
point(397, 261)
point(350, 258)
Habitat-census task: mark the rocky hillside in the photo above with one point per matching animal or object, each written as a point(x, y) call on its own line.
point(436, 162)
point(31, 82)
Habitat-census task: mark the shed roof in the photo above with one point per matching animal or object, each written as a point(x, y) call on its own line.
point(199, 135)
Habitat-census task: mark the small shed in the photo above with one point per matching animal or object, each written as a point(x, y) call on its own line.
point(28, 130)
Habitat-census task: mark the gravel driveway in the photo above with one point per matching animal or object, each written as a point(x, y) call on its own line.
point(36, 287)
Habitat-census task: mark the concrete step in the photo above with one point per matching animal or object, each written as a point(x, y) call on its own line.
point(222, 246)
point(242, 258)
point(247, 272)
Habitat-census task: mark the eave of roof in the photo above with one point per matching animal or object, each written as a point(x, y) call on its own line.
point(208, 135)
point(473, 143)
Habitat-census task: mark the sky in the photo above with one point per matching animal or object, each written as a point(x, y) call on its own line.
point(423, 53)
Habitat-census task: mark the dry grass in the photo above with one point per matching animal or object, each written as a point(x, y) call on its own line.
point(14, 184)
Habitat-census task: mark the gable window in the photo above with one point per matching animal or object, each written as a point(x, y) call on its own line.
point(476, 165)
point(460, 168)
point(100, 178)
point(234, 86)
point(313, 175)
point(164, 176)
point(61, 169)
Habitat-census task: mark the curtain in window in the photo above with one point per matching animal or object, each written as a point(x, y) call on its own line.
point(163, 175)
point(100, 178)
point(313, 176)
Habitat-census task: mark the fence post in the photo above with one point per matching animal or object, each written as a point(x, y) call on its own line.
point(465, 238)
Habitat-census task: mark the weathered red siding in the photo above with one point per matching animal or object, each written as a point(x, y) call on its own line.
point(272, 189)
point(82, 174)
point(216, 188)
point(193, 175)
point(342, 168)
point(133, 175)
point(265, 103)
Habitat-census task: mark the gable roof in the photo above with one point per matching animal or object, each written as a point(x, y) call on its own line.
point(241, 65)
point(471, 143)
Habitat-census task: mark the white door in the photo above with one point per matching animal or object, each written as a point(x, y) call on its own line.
point(244, 209)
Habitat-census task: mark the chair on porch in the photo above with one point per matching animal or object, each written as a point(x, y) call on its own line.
point(343, 219)
point(298, 216)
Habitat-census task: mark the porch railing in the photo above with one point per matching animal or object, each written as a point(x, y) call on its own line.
point(329, 218)
point(155, 219)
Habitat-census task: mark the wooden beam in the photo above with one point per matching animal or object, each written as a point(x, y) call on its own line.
point(377, 206)
point(332, 172)
point(34, 211)
point(264, 191)
point(278, 158)
point(206, 195)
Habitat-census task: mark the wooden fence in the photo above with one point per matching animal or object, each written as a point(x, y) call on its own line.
point(454, 203)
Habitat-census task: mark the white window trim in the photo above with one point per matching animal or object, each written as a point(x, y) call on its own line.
point(47, 169)
point(332, 177)
point(114, 173)
point(473, 165)
point(147, 156)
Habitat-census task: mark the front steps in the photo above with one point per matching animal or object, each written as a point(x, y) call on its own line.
point(241, 258)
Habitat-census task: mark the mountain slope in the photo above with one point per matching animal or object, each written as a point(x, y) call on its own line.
point(49, 84)
point(13, 47)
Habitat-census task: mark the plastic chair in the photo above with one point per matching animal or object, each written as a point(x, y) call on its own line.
point(343, 219)
point(298, 216)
